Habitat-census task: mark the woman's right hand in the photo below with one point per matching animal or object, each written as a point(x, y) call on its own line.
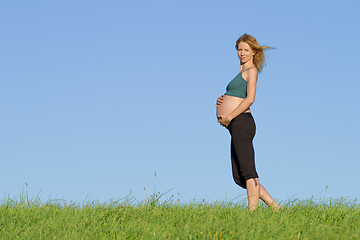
point(219, 100)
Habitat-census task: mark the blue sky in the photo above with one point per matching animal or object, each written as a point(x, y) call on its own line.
point(97, 96)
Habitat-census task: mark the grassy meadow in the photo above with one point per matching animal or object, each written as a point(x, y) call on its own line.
point(155, 219)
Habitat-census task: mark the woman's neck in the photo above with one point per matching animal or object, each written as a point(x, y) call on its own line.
point(246, 66)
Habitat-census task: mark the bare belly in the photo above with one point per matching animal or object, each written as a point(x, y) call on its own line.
point(228, 105)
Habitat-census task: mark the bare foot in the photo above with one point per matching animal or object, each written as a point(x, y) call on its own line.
point(278, 208)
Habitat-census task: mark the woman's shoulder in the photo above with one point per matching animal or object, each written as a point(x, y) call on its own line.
point(251, 72)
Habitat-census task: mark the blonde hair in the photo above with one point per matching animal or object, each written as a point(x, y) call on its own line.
point(259, 57)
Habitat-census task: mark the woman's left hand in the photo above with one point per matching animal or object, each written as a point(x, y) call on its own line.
point(224, 121)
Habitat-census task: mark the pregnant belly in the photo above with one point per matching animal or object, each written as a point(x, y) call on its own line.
point(228, 105)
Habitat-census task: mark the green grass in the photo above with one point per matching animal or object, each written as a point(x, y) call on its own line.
point(152, 219)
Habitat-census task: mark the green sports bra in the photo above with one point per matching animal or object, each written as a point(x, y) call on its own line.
point(237, 86)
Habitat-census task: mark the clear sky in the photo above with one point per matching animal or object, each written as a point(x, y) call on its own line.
point(96, 96)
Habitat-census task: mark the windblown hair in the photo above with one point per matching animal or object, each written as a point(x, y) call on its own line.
point(259, 57)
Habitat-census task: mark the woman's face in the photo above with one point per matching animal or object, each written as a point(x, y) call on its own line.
point(245, 53)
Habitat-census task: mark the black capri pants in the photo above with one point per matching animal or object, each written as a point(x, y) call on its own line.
point(242, 130)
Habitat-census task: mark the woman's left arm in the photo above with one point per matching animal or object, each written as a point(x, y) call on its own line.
point(248, 101)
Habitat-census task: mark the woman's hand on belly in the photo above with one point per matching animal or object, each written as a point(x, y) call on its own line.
point(219, 100)
point(224, 120)
point(227, 105)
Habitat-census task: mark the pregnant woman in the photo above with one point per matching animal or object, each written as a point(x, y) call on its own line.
point(233, 112)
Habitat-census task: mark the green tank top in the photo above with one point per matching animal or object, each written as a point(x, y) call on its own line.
point(237, 86)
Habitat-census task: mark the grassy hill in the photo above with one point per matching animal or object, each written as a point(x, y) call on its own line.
point(28, 219)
